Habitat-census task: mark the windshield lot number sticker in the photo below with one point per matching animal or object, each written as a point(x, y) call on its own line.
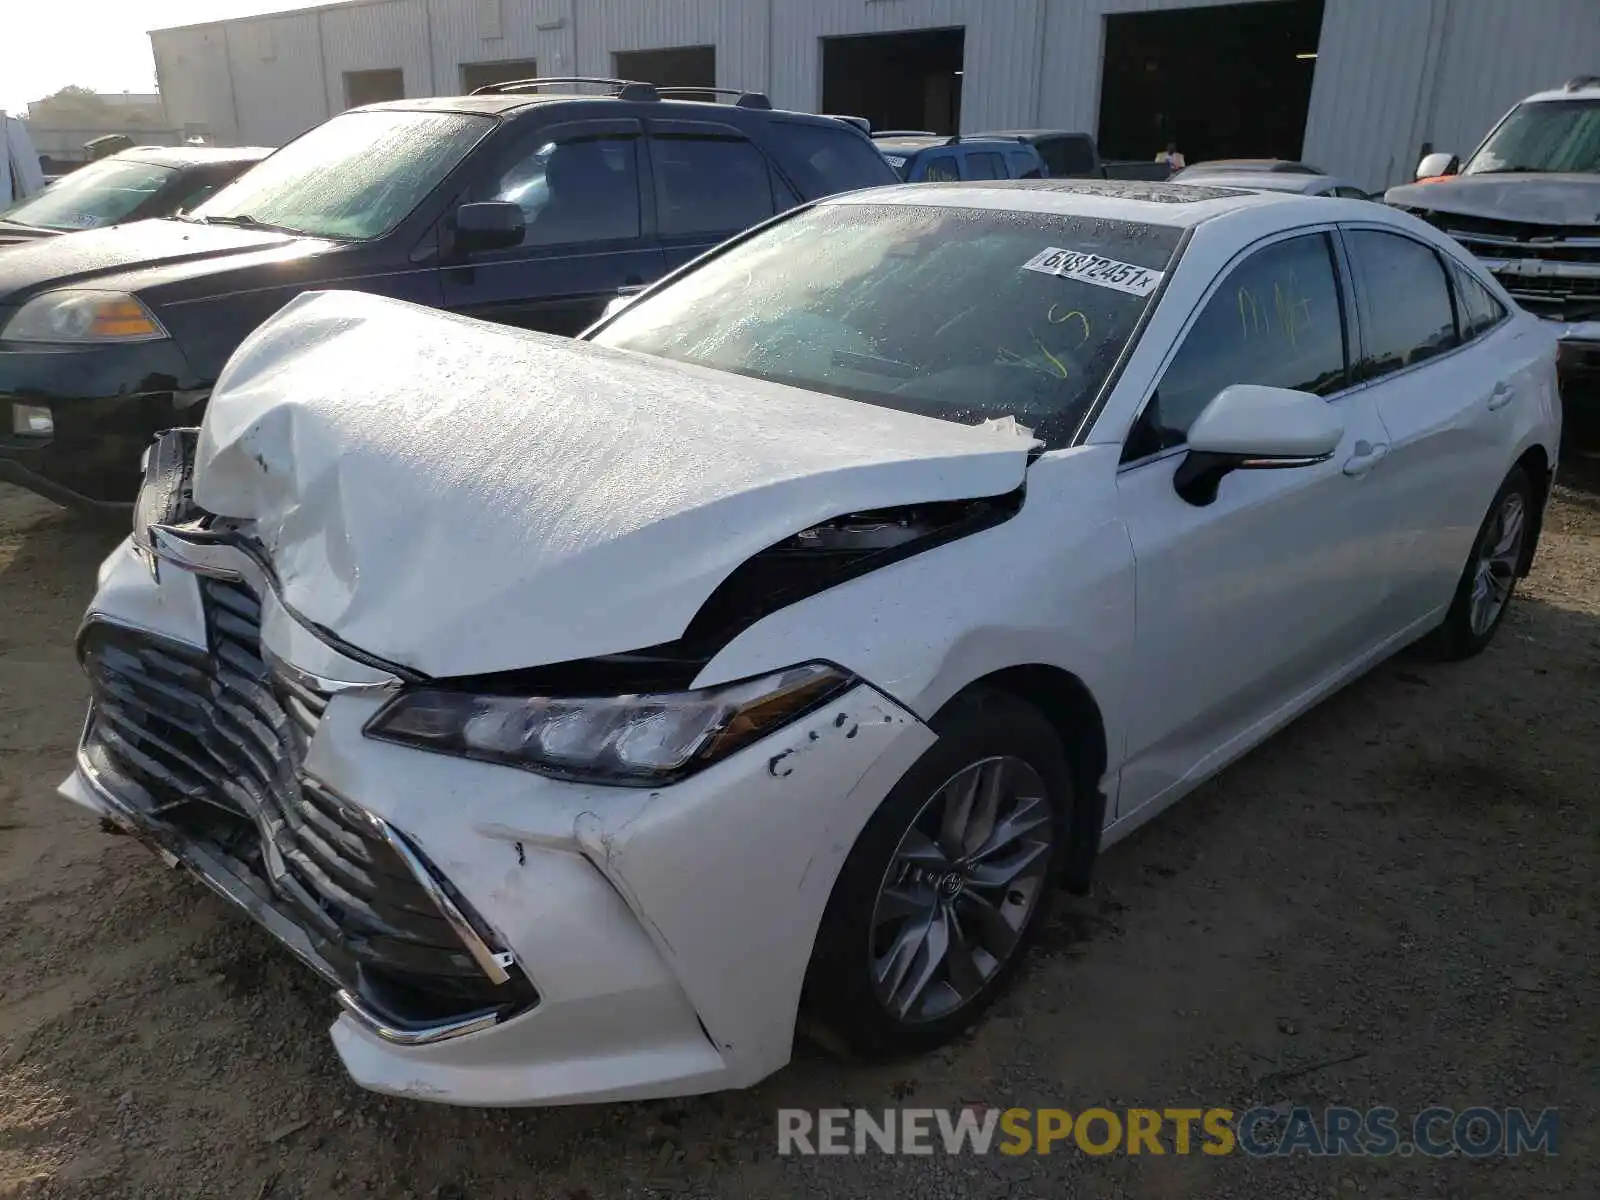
point(1093, 269)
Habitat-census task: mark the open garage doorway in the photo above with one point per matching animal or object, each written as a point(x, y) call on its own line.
point(1231, 81)
point(896, 80)
point(681, 66)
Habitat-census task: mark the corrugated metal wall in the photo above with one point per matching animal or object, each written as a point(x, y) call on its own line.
point(1390, 74)
point(1493, 48)
point(277, 78)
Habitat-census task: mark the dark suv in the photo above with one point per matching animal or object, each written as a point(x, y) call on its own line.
point(516, 204)
point(934, 158)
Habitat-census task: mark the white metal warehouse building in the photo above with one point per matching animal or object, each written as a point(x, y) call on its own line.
point(1357, 87)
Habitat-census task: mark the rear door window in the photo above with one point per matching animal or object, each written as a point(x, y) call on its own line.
point(1407, 314)
point(708, 186)
point(985, 164)
point(824, 159)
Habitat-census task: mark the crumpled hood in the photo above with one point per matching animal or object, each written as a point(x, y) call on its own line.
point(460, 498)
point(1535, 199)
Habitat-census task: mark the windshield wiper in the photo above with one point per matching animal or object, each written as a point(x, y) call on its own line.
point(241, 221)
point(1511, 171)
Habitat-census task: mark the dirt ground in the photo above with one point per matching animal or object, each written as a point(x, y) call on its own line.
point(1395, 902)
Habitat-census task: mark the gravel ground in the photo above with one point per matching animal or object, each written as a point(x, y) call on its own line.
point(1394, 902)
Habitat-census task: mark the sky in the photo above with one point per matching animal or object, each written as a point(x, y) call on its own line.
point(101, 44)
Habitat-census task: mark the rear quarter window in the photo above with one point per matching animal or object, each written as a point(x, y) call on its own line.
point(824, 159)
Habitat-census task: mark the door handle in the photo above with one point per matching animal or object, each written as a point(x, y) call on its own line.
point(1501, 396)
point(1366, 457)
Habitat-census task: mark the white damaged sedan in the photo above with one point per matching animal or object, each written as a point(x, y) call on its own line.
point(587, 712)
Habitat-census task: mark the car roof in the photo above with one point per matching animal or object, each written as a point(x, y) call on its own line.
point(908, 145)
point(1274, 181)
point(191, 156)
point(1177, 204)
point(1283, 166)
point(1029, 133)
point(1584, 87)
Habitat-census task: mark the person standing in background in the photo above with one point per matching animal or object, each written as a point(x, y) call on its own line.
point(1171, 157)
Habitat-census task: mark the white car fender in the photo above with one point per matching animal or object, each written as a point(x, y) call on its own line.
point(993, 599)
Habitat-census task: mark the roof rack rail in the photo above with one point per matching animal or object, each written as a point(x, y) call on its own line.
point(878, 133)
point(1578, 82)
point(745, 99)
point(627, 89)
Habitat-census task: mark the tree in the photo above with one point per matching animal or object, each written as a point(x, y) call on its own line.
point(70, 107)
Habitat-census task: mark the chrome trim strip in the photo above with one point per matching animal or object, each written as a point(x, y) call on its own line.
point(424, 1036)
point(493, 964)
point(310, 680)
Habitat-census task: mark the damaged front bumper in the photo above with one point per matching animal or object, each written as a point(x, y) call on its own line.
point(494, 937)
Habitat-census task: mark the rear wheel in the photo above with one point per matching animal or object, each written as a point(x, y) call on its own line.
point(1490, 577)
point(948, 885)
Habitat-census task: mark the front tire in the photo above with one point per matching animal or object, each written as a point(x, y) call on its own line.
point(1483, 595)
point(948, 885)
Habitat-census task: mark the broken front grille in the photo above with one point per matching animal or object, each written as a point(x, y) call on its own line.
point(1555, 296)
point(1551, 270)
point(209, 749)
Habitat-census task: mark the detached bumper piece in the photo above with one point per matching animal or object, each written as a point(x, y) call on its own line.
point(202, 755)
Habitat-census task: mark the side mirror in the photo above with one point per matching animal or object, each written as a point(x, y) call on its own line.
point(1441, 162)
point(489, 225)
point(1247, 427)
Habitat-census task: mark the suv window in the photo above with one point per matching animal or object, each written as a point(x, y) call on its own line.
point(824, 159)
point(1067, 155)
point(709, 185)
point(1407, 316)
point(574, 190)
point(1480, 311)
point(942, 168)
point(1276, 319)
point(984, 164)
point(1022, 165)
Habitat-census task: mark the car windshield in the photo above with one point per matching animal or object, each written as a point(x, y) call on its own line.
point(1551, 135)
point(101, 193)
point(357, 176)
point(961, 314)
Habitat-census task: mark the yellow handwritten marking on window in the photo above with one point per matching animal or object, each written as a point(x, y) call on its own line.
point(1061, 369)
point(1058, 317)
point(1288, 317)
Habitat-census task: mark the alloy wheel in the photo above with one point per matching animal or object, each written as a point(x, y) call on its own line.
point(1499, 554)
point(963, 882)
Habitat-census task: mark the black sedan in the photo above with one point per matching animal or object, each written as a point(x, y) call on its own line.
point(146, 181)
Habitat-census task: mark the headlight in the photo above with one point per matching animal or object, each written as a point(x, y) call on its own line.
point(32, 420)
point(76, 317)
point(632, 740)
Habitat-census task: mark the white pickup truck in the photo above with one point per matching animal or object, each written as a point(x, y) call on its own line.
point(1527, 202)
